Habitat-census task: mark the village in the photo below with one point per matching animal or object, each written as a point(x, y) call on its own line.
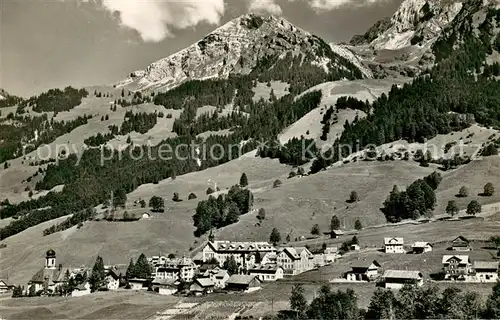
point(243, 267)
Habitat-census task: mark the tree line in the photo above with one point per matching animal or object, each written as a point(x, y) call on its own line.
point(223, 210)
point(410, 302)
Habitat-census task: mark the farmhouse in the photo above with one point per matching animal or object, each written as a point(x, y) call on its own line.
point(456, 267)
point(295, 260)
point(165, 286)
point(354, 247)
point(421, 247)
point(396, 279)
point(364, 272)
point(113, 279)
point(221, 278)
point(5, 286)
point(394, 245)
point(330, 254)
point(138, 284)
point(461, 243)
point(243, 252)
point(183, 269)
point(239, 282)
point(267, 257)
point(485, 271)
point(217, 275)
point(81, 290)
point(267, 272)
point(202, 286)
point(334, 234)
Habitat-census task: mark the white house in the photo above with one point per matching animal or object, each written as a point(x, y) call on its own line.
point(267, 272)
point(295, 260)
point(354, 247)
point(146, 215)
point(456, 267)
point(394, 245)
point(330, 254)
point(81, 290)
point(396, 279)
point(221, 278)
point(5, 286)
point(364, 272)
point(138, 284)
point(165, 286)
point(485, 271)
point(421, 247)
point(182, 269)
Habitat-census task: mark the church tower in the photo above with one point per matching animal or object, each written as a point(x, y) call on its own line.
point(50, 259)
point(211, 236)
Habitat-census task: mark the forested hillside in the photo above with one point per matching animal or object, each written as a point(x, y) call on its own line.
point(456, 92)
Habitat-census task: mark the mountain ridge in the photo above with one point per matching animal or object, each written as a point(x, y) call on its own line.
point(238, 47)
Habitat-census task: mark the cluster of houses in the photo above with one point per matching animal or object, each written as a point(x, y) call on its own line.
point(256, 262)
point(252, 264)
point(456, 267)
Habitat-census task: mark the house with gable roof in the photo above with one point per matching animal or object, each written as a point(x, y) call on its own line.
point(295, 260)
point(456, 267)
point(367, 271)
point(485, 271)
point(394, 245)
point(267, 272)
point(461, 243)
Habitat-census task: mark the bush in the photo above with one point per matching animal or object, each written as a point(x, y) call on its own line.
point(176, 197)
point(276, 183)
point(315, 230)
point(463, 192)
point(353, 197)
point(358, 225)
point(210, 190)
point(262, 214)
point(489, 189)
point(473, 208)
point(192, 196)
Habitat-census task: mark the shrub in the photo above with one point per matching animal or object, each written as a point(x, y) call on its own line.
point(191, 196)
point(276, 183)
point(489, 189)
point(463, 192)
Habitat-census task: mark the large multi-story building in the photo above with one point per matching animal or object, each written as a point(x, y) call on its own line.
point(246, 254)
point(394, 245)
point(295, 260)
point(176, 269)
point(456, 267)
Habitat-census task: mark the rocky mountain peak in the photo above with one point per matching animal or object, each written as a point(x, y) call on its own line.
point(234, 48)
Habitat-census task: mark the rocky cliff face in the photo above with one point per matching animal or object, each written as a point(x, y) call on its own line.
point(234, 48)
point(416, 22)
point(402, 44)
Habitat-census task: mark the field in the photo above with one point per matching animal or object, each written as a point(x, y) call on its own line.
point(105, 305)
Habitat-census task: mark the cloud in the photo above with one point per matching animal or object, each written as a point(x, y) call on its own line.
point(265, 6)
point(328, 5)
point(155, 19)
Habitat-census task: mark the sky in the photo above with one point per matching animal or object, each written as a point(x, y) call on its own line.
point(55, 43)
